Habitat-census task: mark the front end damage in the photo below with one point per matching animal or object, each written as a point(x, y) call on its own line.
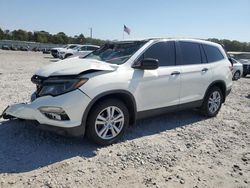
point(63, 111)
point(58, 100)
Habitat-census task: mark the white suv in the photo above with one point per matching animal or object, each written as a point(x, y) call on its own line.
point(80, 50)
point(106, 91)
point(55, 51)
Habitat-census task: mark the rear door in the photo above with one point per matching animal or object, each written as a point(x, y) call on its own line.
point(195, 74)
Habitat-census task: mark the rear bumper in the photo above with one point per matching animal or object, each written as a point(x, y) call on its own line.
point(73, 103)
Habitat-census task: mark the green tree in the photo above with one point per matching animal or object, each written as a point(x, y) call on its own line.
point(19, 35)
point(30, 36)
point(1, 34)
point(41, 36)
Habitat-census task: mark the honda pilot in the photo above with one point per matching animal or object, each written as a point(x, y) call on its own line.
point(103, 93)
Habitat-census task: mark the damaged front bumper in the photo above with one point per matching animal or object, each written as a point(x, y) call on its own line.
point(65, 111)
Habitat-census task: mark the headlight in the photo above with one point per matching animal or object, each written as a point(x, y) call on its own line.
point(60, 86)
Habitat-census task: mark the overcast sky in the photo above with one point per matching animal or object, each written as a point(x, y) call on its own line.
point(221, 19)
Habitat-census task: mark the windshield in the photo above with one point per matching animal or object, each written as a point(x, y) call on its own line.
point(116, 53)
point(71, 46)
point(77, 47)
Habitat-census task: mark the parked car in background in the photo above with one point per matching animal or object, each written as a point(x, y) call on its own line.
point(24, 48)
point(5, 47)
point(66, 52)
point(246, 67)
point(244, 59)
point(81, 50)
point(103, 93)
point(14, 48)
point(46, 51)
point(54, 51)
point(237, 69)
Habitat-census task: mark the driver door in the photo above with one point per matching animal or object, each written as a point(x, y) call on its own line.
point(154, 89)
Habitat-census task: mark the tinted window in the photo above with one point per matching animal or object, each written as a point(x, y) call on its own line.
point(83, 48)
point(72, 46)
point(191, 53)
point(163, 51)
point(91, 48)
point(213, 53)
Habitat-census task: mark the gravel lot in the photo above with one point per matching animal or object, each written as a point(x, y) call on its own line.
point(181, 149)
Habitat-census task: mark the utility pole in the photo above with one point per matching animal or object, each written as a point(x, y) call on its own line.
point(91, 32)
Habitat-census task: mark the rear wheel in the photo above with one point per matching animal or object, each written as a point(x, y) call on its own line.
point(244, 75)
point(212, 102)
point(236, 75)
point(107, 122)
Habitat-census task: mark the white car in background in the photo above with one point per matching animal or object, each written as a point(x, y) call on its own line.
point(79, 50)
point(54, 51)
point(237, 69)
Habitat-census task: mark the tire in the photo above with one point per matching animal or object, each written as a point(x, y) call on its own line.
point(54, 55)
point(101, 129)
point(244, 75)
point(207, 108)
point(67, 55)
point(236, 75)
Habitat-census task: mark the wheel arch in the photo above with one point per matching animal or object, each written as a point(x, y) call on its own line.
point(68, 55)
point(126, 97)
point(220, 84)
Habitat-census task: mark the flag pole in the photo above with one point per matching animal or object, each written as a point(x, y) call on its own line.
point(123, 33)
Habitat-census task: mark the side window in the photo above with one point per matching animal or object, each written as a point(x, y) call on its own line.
point(213, 53)
point(72, 46)
point(163, 51)
point(191, 53)
point(91, 48)
point(83, 48)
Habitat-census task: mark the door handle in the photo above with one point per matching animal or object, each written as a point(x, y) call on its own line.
point(204, 70)
point(175, 73)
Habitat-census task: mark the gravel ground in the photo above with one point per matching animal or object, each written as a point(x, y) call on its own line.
point(181, 149)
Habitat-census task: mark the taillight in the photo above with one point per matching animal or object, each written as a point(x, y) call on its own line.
point(231, 68)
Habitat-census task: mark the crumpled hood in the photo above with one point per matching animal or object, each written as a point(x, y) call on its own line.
point(74, 66)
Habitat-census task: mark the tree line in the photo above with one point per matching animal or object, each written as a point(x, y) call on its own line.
point(233, 45)
point(46, 37)
point(62, 38)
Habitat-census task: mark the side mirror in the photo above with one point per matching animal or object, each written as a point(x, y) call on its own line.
point(147, 64)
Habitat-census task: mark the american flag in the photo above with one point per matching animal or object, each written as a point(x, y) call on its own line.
point(126, 29)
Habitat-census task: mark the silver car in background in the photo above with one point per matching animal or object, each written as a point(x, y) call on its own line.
point(237, 69)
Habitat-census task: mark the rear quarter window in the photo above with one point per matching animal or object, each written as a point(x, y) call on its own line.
point(213, 53)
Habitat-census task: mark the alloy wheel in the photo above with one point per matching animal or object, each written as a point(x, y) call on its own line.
point(214, 102)
point(109, 122)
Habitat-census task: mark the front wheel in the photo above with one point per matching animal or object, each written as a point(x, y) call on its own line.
point(107, 122)
point(212, 102)
point(67, 55)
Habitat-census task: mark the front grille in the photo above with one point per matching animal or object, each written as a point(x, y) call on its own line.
point(54, 51)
